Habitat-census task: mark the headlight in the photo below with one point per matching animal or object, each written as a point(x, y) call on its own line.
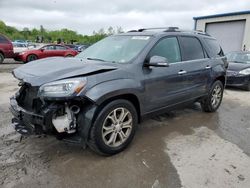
point(62, 88)
point(245, 71)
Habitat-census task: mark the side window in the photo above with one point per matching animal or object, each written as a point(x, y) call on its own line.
point(168, 48)
point(214, 47)
point(191, 48)
point(60, 48)
point(49, 47)
point(3, 39)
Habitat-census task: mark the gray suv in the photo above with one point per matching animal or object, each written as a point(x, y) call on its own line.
point(97, 98)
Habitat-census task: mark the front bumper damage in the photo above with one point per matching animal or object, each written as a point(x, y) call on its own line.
point(69, 120)
point(34, 123)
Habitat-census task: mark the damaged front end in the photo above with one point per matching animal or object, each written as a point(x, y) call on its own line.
point(67, 117)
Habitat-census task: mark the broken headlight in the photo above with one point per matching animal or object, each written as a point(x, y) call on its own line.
point(62, 88)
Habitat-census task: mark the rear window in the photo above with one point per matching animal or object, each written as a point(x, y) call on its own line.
point(191, 48)
point(214, 47)
point(3, 39)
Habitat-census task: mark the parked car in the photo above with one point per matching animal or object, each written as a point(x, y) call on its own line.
point(6, 48)
point(76, 47)
point(19, 47)
point(50, 50)
point(97, 98)
point(82, 47)
point(238, 73)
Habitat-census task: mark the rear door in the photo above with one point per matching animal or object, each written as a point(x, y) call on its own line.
point(196, 67)
point(61, 50)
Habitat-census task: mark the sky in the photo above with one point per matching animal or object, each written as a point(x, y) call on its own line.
point(85, 16)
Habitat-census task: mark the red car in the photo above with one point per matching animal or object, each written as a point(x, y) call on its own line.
point(6, 48)
point(49, 50)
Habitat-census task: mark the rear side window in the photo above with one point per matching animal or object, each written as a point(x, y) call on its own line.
point(3, 39)
point(214, 47)
point(191, 48)
point(61, 48)
point(49, 47)
point(168, 48)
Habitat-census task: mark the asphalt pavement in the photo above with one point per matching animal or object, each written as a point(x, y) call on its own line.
point(184, 148)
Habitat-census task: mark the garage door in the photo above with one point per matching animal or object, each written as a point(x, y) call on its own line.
point(229, 34)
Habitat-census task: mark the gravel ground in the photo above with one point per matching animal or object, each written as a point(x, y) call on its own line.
point(184, 148)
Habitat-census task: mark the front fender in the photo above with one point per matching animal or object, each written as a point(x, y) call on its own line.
point(106, 90)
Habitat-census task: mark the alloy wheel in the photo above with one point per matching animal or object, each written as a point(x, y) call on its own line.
point(117, 127)
point(216, 96)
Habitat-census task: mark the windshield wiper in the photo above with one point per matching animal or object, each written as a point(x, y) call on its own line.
point(95, 59)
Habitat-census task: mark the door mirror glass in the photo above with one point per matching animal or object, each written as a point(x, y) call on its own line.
point(157, 61)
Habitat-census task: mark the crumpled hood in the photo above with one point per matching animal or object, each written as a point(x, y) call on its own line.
point(237, 66)
point(50, 69)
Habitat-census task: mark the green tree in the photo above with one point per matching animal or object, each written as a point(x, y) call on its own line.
point(65, 34)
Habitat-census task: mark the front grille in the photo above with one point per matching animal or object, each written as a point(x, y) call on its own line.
point(232, 73)
point(28, 98)
point(237, 80)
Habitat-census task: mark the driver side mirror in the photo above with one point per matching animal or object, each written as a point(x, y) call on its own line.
point(157, 61)
point(42, 49)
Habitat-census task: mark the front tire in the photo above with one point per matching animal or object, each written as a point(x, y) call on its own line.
point(247, 88)
point(212, 102)
point(1, 58)
point(114, 127)
point(69, 55)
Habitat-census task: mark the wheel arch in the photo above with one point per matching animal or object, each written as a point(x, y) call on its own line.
point(1, 52)
point(30, 55)
point(129, 97)
point(222, 79)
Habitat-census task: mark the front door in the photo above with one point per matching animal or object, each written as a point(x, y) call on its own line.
point(48, 51)
point(164, 85)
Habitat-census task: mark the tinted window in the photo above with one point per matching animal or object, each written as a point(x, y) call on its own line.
point(49, 47)
point(214, 47)
point(168, 48)
point(3, 39)
point(191, 48)
point(61, 48)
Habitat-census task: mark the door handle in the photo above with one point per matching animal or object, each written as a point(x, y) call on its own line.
point(208, 67)
point(182, 72)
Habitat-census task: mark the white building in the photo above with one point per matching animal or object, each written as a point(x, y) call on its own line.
point(232, 30)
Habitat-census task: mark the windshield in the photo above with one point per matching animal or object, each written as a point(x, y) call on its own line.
point(239, 57)
point(120, 49)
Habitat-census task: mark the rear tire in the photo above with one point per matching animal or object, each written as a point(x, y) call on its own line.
point(114, 128)
point(1, 58)
point(69, 55)
point(31, 57)
point(247, 88)
point(212, 102)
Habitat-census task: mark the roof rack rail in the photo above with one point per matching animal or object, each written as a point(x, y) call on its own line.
point(196, 32)
point(171, 29)
point(159, 28)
